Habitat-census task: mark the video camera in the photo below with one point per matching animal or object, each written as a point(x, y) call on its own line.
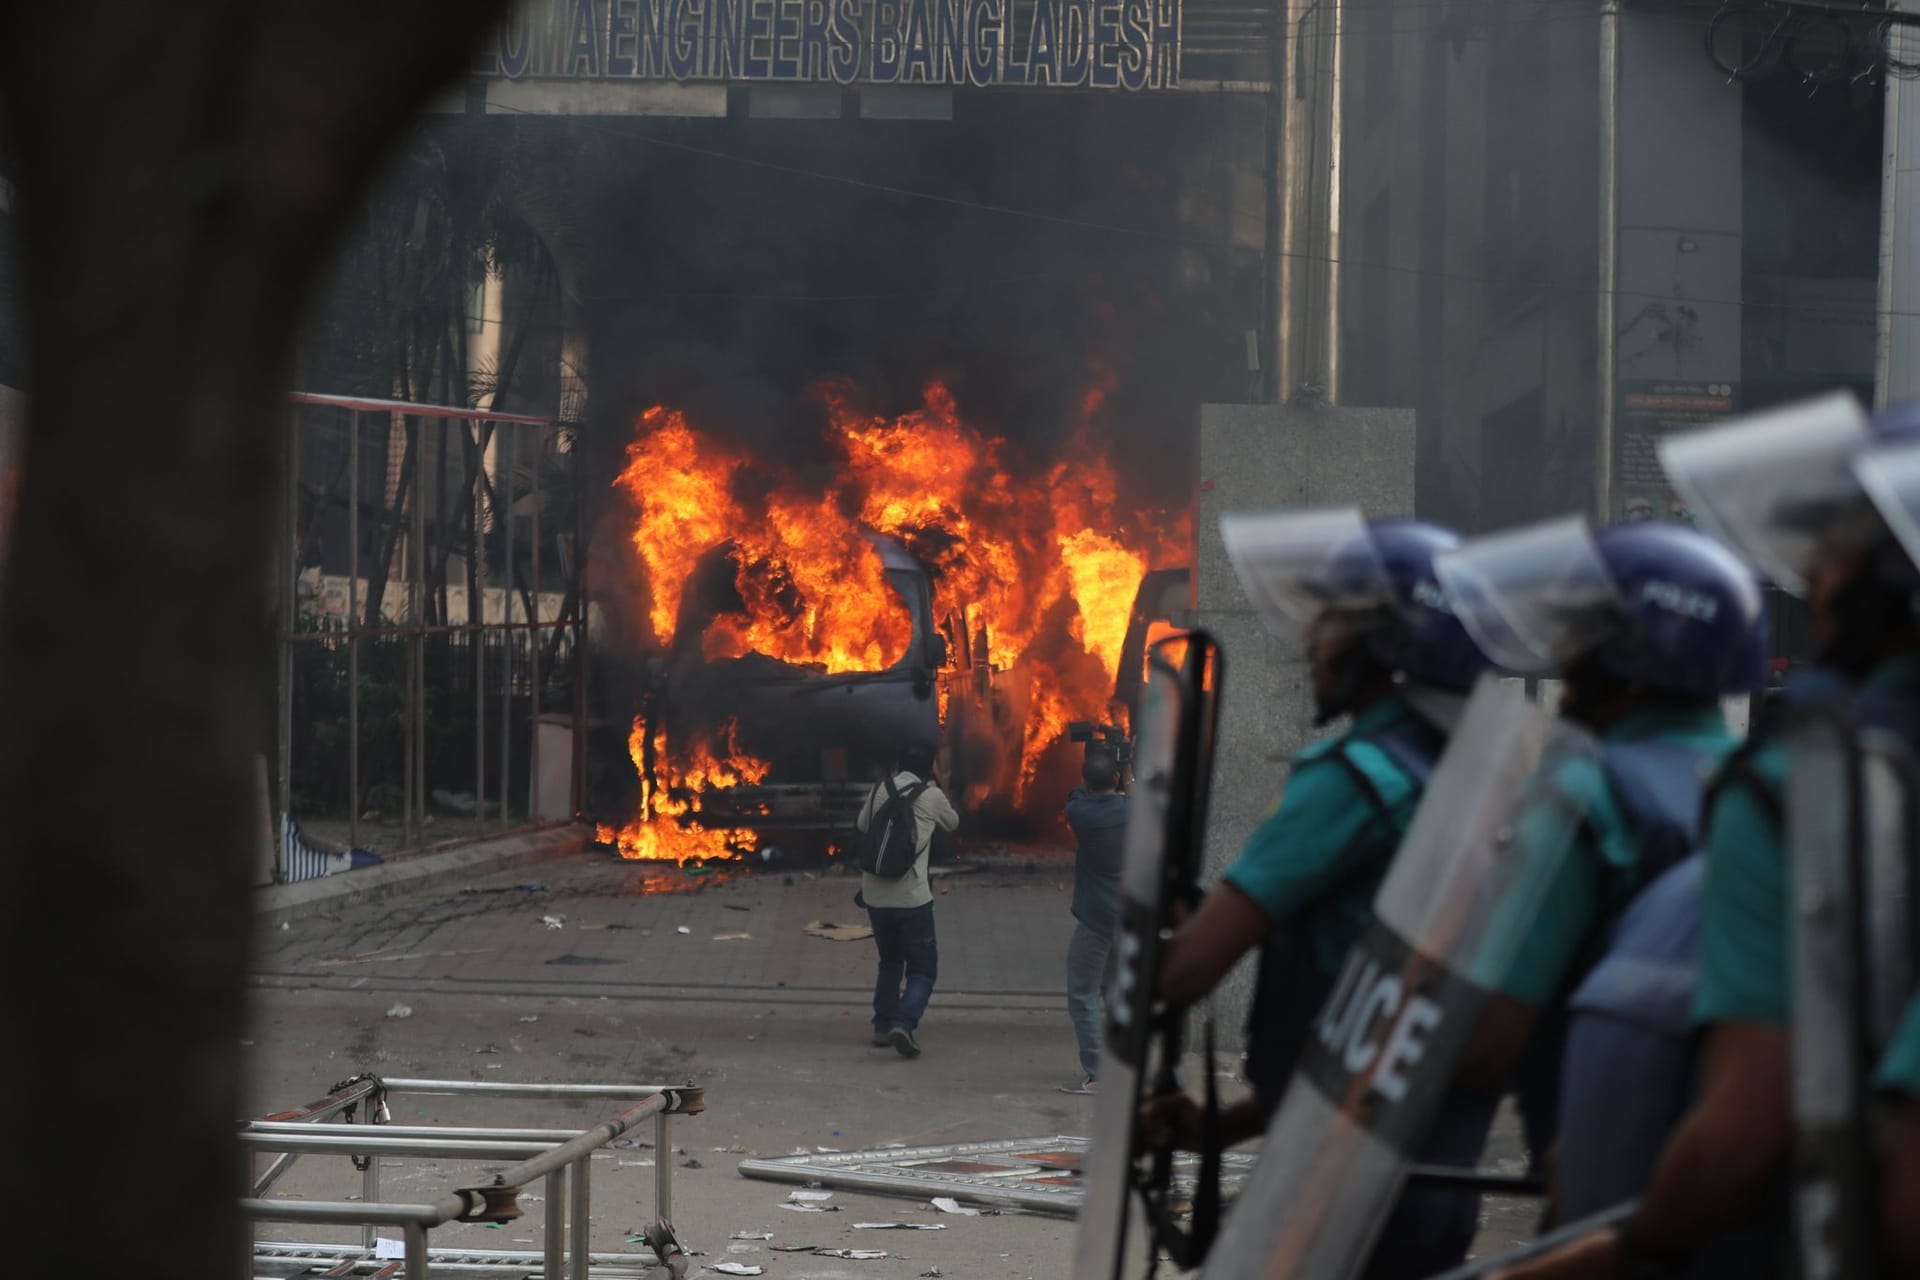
point(1110, 738)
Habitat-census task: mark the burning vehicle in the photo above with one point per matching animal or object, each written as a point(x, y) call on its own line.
point(936, 587)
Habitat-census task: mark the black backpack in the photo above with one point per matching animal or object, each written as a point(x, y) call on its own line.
point(891, 842)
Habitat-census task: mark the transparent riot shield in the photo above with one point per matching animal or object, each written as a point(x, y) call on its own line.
point(1166, 818)
point(1851, 801)
point(1450, 917)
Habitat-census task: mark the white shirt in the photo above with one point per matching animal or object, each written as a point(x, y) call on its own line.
point(930, 809)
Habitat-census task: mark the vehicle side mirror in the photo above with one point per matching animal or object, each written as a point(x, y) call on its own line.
point(939, 650)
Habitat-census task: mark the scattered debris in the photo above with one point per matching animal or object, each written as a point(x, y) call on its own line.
point(530, 1017)
point(732, 937)
point(736, 906)
point(554, 922)
point(285, 925)
point(735, 1150)
point(809, 1197)
point(683, 929)
point(751, 1235)
point(736, 1269)
point(692, 1162)
point(933, 1272)
point(899, 1226)
point(632, 1144)
point(400, 1011)
point(858, 1255)
point(635, 1164)
point(488, 1048)
point(837, 932)
point(811, 1208)
point(947, 1204)
point(743, 1248)
point(793, 1248)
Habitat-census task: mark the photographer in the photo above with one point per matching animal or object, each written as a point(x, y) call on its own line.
point(1097, 812)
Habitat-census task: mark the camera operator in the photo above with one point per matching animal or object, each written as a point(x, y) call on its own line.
point(1097, 812)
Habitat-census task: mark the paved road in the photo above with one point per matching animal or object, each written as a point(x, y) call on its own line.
point(774, 1025)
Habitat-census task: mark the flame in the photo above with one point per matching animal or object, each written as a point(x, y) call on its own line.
point(666, 829)
point(1044, 558)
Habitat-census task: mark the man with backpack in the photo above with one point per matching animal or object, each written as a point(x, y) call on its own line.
point(896, 834)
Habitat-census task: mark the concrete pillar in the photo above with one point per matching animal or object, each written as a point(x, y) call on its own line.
point(1674, 349)
point(1260, 457)
point(1897, 352)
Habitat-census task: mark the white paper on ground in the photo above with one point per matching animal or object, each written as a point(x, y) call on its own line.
point(947, 1204)
point(809, 1197)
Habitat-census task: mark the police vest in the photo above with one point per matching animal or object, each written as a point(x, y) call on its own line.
point(1291, 987)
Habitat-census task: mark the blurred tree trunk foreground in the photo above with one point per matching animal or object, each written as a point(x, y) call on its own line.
point(182, 170)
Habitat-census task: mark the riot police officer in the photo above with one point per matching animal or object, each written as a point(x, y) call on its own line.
point(1782, 489)
point(1650, 625)
point(1385, 650)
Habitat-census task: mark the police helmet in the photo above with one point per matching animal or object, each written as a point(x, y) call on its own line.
point(1656, 604)
point(1297, 566)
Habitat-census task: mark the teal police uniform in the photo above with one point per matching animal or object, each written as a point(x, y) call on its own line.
point(1586, 887)
point(1900, 1065)
point(1322, 852)
point(1744, 931)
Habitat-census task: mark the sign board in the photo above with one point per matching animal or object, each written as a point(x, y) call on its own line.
point(1647, 411)
point(1129, 45)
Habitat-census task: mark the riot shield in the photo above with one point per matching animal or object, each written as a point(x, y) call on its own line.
point(1850, 826)
point(1166, 815)
point(1449, 918)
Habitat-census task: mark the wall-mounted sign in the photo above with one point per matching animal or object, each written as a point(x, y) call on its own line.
point(1648, 411)
point(1095, 44)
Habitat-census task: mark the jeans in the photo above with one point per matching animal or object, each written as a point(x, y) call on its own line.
point(1088, 957)
point(904, 936)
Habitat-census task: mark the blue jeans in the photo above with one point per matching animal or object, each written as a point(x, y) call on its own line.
point(904, 936)
point(1087, 962)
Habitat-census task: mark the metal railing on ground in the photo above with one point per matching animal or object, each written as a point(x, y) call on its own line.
point(561, 1157)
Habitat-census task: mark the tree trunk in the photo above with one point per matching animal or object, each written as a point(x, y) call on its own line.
point(181, 171)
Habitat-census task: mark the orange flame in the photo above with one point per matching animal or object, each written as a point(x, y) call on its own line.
point(1049, 564)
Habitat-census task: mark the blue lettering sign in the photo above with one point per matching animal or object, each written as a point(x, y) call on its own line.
point(623, 37)
point(1136, 40)
point(846, 41)
point(1074, 21)
point(885, 65)
point(1105, 73)
point(813, 41)
point(583, 41)
point(683, 37)
point(1043, 43)
point(916, 33)
point(516, 43)
point(653, 39)
point(786, 39)
point(986, 31)
point(1166, 44)
point(756, 61)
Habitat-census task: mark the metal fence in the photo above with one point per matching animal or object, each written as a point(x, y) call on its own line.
point(560, 1157)
point(433, 657)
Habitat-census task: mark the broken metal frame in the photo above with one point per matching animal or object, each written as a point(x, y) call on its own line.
point(411, 418)
point(911, 1171)
point(562, 1157)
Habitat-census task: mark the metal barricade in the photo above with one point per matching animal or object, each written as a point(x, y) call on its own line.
point(560, 1157)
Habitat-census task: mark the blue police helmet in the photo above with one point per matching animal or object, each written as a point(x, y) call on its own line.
point(1434, 647)
point(1697, 616)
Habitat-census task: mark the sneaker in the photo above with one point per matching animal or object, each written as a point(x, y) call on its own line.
point(1088, 1085)
point(881, 1040)
point(902, 1039)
